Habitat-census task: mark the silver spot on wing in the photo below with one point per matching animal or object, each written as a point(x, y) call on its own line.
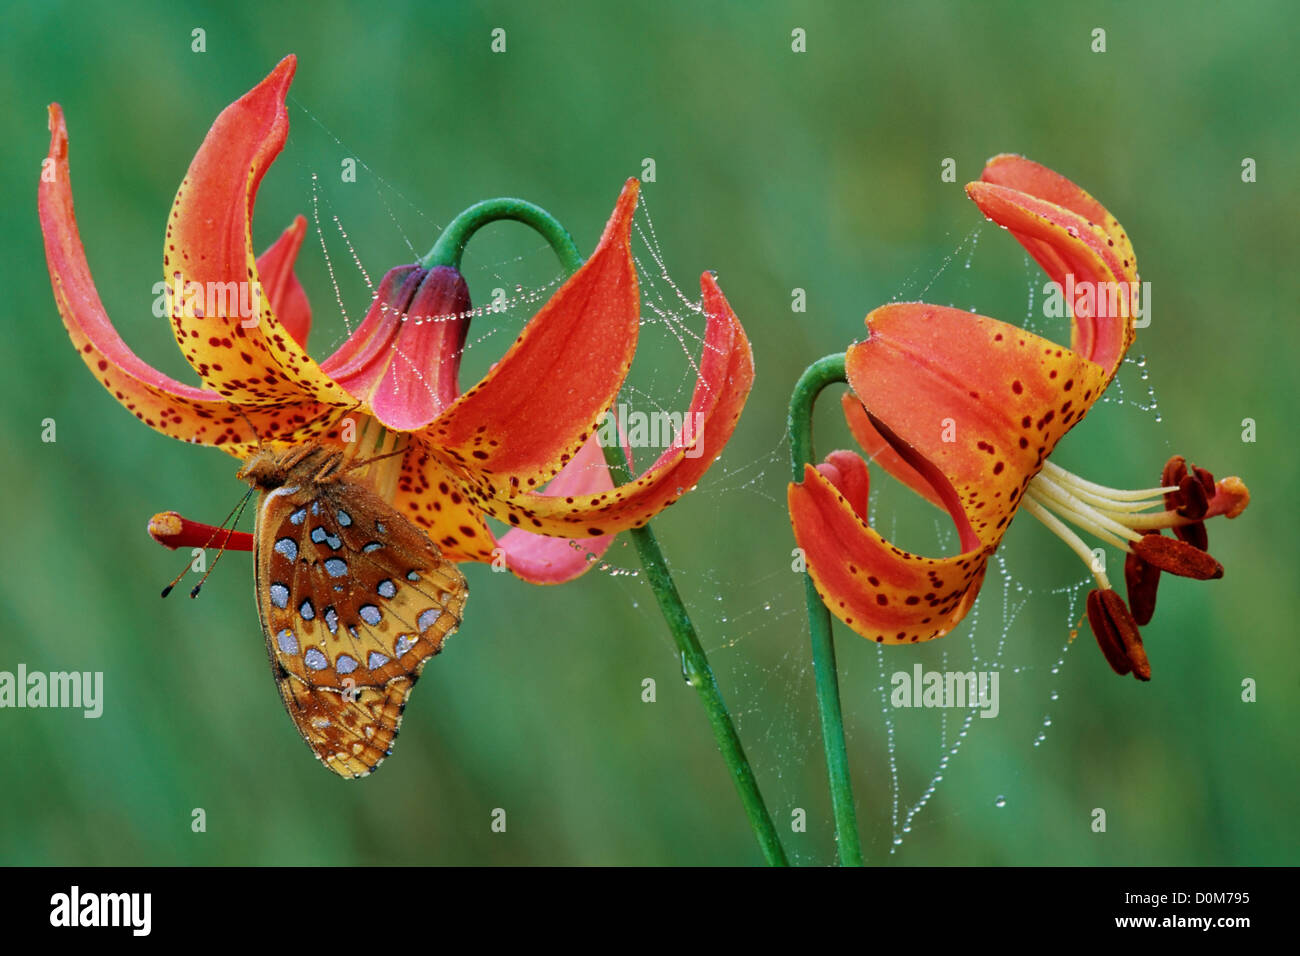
point(288, 643)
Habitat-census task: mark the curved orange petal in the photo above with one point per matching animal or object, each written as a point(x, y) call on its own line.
point(539, 559)
point(280, 282)
point(1077, 242)
point(848, 473)
point(974, 404)
point(880, 591)
point(726, 374)
point(178, 410)
point(222, 318)
point(882, 453)
point(429, 494)
point(537, 406)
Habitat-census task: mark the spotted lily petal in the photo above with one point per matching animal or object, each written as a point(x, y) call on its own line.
point(540, 559)
point(430, 494)
point(882, 453)
point(980, 401)
point(224, 324)
point(537, 406)
point(972, 406)
point(726, 374)
point(1076, 241)
point(281, 285)
point(174, 408)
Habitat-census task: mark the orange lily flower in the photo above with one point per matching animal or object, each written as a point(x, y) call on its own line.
point(520, 446)
point(965, 410)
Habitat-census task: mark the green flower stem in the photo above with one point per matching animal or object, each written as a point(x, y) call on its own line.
point(825, 371)
point(448, 251)
point(450, 247)
point(698, 673)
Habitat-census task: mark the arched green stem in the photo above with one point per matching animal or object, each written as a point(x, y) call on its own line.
point(448, 251)
point(450, 247)
point(825, 371)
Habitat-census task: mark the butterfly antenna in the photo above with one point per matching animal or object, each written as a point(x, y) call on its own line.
point(235, 513)
point(243, 503)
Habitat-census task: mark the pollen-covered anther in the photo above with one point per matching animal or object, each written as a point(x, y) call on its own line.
point(1177, 557)
point(1141, 580)
point(1117, 633)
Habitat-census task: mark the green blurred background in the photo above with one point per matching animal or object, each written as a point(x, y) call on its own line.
point(818, 170)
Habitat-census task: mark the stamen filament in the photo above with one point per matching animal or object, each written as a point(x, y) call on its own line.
point(1158, 519)
point(1119, 509)
point(1116, 494)
point(1031, 504)
point(1081, 513)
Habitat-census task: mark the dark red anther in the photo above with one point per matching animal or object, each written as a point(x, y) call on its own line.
point(1141, 580)
point(1195, 502)
point(1107, 639)
point(1174, 472)
point(1177, 557)
point(1117, 634)
point(1195, 535)
point(1206, 479)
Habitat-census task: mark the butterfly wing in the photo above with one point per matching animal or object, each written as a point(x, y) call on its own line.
point(353, 600)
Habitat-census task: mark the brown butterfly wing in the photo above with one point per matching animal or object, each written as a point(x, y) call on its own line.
point(353, 600)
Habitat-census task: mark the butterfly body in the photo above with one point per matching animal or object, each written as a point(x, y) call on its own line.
point(353, 600)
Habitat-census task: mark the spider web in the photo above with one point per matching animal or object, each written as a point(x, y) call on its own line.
point(751, 614)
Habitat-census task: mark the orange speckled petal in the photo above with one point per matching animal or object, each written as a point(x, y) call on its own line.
point(539, 559)
point(726, 374)
point(879, 450)
point(537, 406)
point(882, 592)
point(1094, 253)
point(181, 411)
point(1035, 179)
point(429, 494)
point(280, 282)
point(223, 320)
point(848, 473)
point(973, 404)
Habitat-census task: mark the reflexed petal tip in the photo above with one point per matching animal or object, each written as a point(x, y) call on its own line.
point(1069, 234)
point(173, 408)
point(725, 378)
point(224, 322)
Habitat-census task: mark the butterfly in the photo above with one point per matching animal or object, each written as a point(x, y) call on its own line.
point(353, 600)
